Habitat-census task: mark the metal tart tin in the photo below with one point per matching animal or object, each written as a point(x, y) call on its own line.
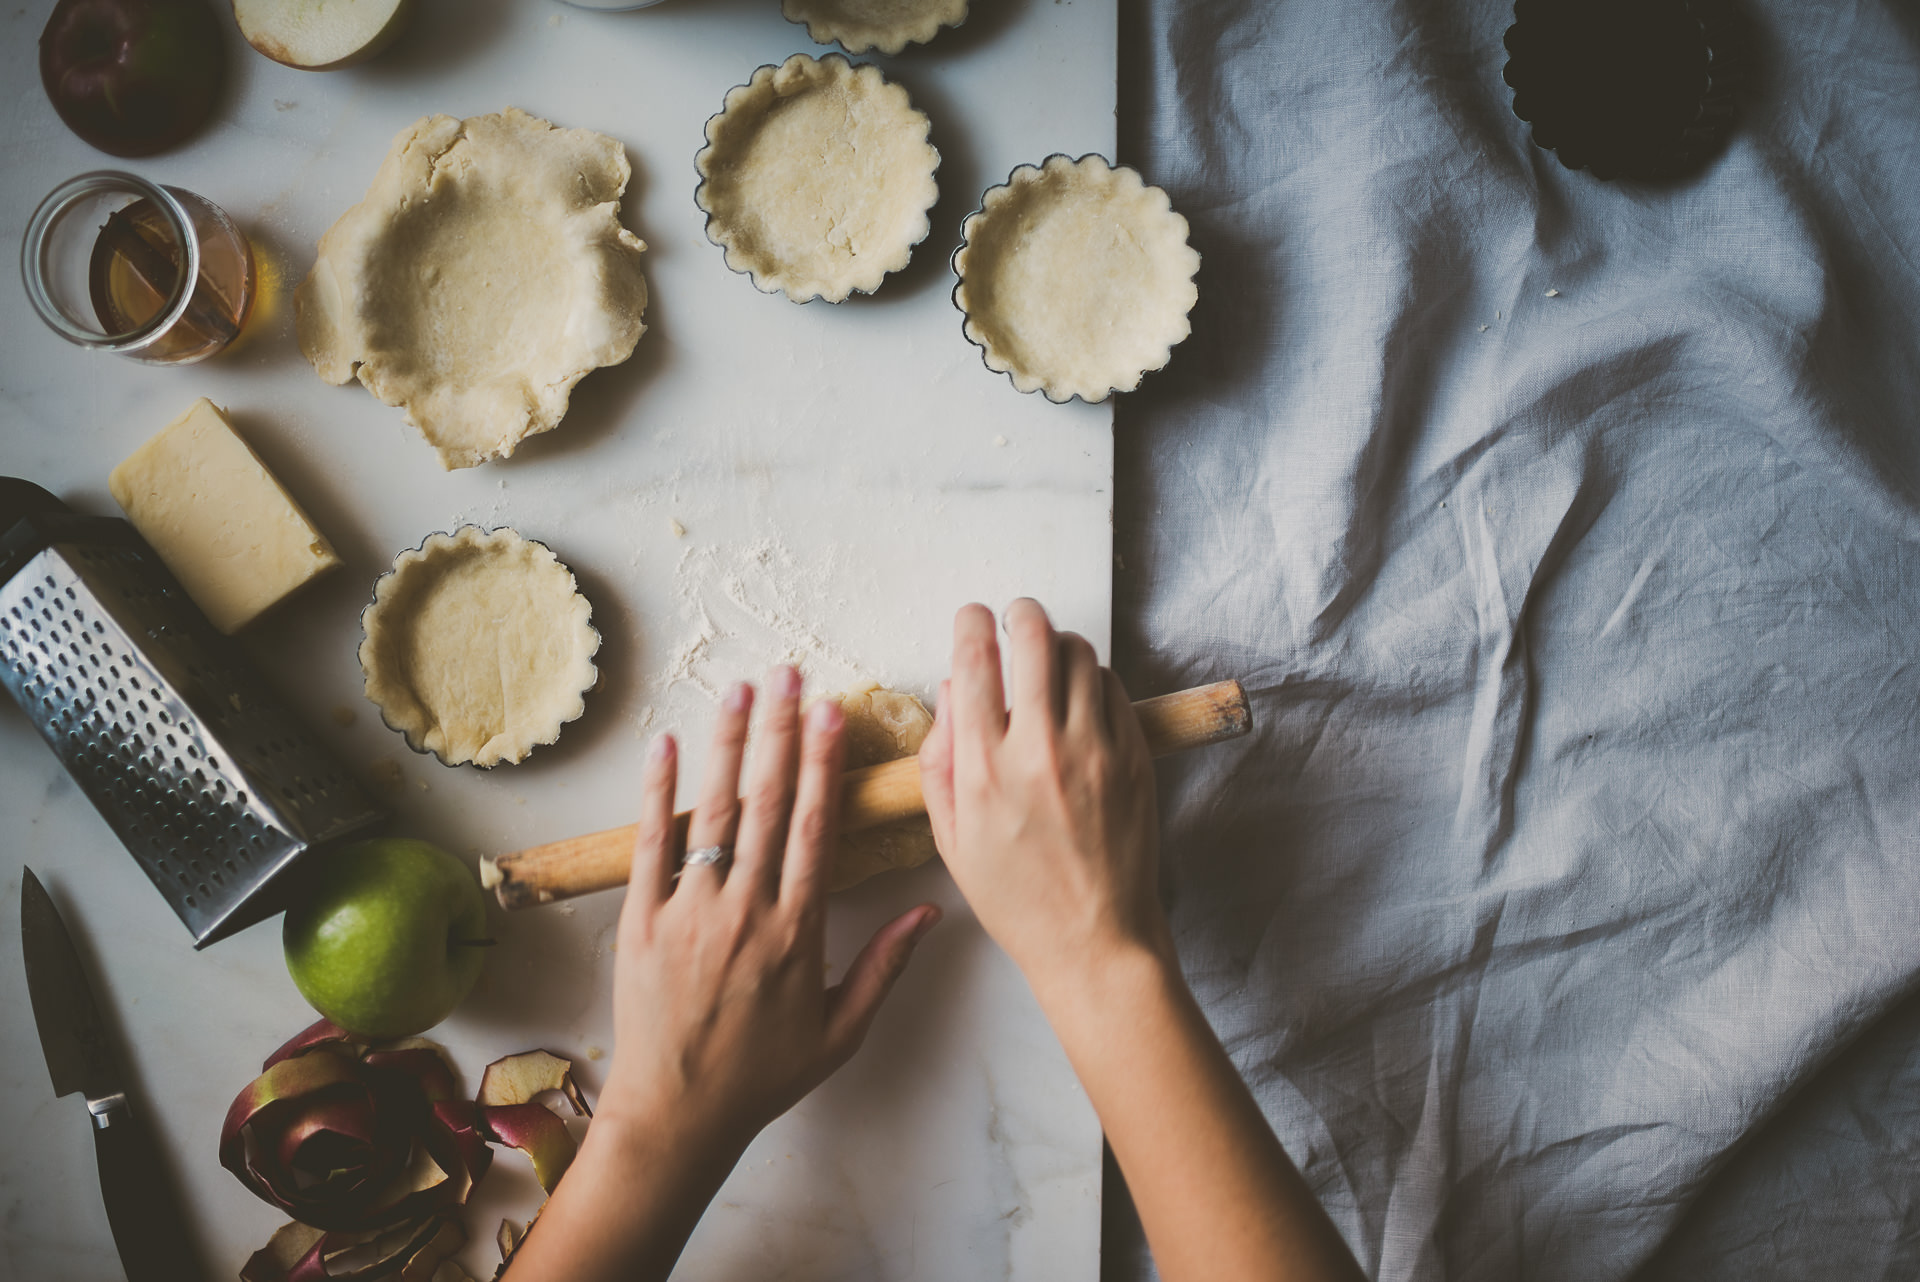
point(374, 600)
point(1644, 90)
point(873, 48)
point(701, 186)
point(959, 279)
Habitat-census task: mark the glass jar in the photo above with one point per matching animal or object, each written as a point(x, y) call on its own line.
point(117, 264)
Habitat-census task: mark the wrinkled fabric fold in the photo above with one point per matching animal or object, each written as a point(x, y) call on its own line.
point(1564, 533)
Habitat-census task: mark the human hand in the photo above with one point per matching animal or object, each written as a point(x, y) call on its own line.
point(722, 1020)
point(1044, 811)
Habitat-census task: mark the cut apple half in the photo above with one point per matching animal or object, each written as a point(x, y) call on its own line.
point(319, 35)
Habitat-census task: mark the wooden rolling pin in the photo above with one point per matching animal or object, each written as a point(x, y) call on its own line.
point(876, 795)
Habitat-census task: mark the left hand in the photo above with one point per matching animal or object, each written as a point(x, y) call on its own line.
point(722, 1019)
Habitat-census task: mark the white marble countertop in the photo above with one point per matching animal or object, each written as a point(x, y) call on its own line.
point(845, 476)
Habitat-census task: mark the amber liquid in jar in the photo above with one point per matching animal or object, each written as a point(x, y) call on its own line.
point(134, 274)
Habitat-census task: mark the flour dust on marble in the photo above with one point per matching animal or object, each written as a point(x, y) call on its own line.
point(744, 607)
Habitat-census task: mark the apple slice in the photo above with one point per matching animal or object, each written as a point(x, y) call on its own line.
point(319, 35)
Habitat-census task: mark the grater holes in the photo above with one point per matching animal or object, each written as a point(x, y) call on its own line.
point(225, 823)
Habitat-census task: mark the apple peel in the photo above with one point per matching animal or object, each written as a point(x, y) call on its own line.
point(522, 1078)
point(371, 1150)
point(538, 1132)
point(508, 1088)
point(343, 1136)
point(301, 1253)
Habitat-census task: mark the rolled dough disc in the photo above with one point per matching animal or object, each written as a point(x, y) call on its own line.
point(484, 275)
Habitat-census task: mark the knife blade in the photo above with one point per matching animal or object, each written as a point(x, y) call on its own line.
point(144, 1211)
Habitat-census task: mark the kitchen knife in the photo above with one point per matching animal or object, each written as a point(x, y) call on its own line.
point(149, 1226)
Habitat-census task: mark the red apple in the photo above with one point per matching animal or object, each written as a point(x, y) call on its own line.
point(133, 77)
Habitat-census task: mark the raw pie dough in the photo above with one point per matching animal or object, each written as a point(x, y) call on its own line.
point(1076, 278)
point(817, 178)
point(882, 725)
point(478, 646)
point(886, 25)
point(483, 276)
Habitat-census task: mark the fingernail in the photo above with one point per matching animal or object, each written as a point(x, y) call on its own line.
point(661, 748)
point(785, 681)
point(739, 697)
point(824, 715)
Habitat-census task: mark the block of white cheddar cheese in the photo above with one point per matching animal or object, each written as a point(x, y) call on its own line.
point(221, 521)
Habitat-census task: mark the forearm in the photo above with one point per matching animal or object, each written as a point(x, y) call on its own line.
point(1216, 1193)
point(625, 1208)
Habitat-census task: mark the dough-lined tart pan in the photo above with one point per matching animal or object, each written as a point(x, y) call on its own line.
point(886, 25)
point(484, 275)
point(1075, 278)
point(817, 178)
point(478, 646)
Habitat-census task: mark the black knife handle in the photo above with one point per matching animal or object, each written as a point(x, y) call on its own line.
point(149, 1223)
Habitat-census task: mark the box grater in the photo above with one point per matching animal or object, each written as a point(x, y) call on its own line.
point(213, 786)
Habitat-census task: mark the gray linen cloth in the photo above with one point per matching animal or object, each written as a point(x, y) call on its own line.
point(1565, 533)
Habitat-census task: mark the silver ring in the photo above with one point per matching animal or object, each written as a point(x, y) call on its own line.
point(714, 857)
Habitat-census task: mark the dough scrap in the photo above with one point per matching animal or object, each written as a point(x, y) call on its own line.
point(485, 274)
point(886, 25)
point(1076, 278)
point(817, 177)
point(882, 725)
point(478, 646)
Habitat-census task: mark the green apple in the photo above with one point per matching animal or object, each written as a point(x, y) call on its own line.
point(386, 936)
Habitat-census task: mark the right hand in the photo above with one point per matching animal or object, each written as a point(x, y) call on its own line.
point(1044, 811)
